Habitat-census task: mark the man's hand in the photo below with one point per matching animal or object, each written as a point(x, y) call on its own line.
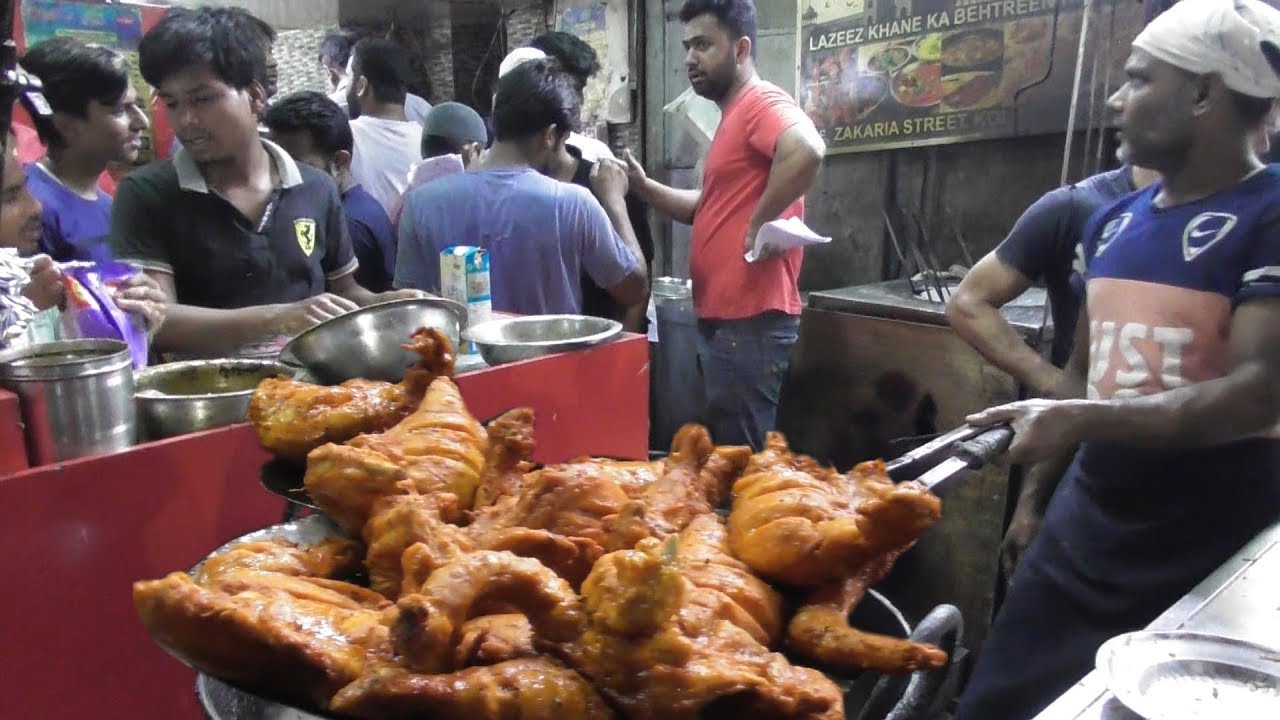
point(636, 175)
point(296, 317)
point(1041, 428)
point(1022, 530)
point(141, 295)
point(609, 179)
point(749, 243)
point(45, 289)
point(403, 294)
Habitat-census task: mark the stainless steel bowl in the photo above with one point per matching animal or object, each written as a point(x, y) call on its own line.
point(367, 343)
point(521, 338)
point(187, 397)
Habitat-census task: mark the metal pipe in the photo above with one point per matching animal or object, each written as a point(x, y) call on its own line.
point(1075, 94)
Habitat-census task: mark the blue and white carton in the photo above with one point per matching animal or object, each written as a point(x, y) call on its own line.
point(464, 278)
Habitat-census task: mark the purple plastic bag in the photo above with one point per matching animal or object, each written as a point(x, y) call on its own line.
point(91, 310)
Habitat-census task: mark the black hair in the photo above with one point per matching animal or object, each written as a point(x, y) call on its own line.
point(738, 17)
point(1252, 110)
point(386, 67)
point(231, 41)
point(335, 49)
point(575, 56)
point(531, 97)
point(315, 114)
point(75, 74)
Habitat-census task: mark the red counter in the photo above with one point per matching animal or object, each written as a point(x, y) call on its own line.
point(75, 536)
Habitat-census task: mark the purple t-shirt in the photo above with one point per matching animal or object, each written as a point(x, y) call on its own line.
point(541, 234)
point(74, 228)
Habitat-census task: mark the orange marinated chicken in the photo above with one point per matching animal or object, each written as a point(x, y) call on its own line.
point(797, 522)
point(330, 558)
point(293, 418)
point(705, 560)
point(439, 448)
point(508, 458)
point(525, 689)
point(398, 522)
point(298, 639)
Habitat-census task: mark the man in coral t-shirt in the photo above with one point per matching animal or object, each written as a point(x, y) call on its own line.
point(765, 155)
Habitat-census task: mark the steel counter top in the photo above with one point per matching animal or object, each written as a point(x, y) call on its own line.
point(1241, 599)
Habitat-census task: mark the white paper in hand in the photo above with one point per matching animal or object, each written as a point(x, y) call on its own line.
point(784, 235)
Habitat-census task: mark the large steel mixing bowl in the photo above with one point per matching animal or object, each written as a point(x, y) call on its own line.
point(368, 343)
point(520, 338)
point(186, 397)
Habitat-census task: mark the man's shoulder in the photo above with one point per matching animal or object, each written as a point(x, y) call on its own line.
point(362, 207)
point(158, 180)
point(316, 183)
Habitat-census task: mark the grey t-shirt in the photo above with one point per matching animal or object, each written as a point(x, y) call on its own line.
point(541, 234)
point(1044, 244)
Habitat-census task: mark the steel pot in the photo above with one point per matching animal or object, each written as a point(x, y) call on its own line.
point(186, 397)
point(77, 397)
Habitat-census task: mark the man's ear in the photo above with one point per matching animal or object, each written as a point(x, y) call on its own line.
point(361, 84)
point(742, 49)
point(470, 152)
point(257, 97)
point(341, 161)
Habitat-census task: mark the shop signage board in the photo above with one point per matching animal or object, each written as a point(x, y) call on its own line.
point(877, 74)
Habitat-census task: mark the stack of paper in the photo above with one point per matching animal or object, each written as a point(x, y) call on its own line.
point(784, 235)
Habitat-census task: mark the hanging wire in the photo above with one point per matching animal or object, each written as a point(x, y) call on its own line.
point(1109, 64)
point(1075, 94)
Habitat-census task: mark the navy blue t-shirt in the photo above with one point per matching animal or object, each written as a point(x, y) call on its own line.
point(372, 239)
point(1044, 244)
point(1162, 286)
point(73, 227)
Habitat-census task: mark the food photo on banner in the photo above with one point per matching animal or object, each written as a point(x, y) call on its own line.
point(878, 75)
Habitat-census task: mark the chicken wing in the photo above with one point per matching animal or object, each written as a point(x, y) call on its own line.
point(398, 522)
point(439, 448)
point(705, 560)
point(293, 418)
point(797, 522)
point(527, 689)
point(508, 457)
point(283, 636)
point(330, 558)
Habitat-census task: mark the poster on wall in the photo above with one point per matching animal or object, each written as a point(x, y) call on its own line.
point(587, 20)
point(880, 74)
point(119, 27)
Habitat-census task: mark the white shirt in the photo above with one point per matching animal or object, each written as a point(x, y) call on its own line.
point(415, 106)
point(385, 150)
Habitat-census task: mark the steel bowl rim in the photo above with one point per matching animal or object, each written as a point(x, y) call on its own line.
point(613, 328)
point(151, 395)
point(288, 355)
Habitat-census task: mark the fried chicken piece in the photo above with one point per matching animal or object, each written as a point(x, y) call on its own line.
point(632, 476)
point(331, 558)
point(696, 481)
point(491, 639)
point(297, 639)
point(820, 631)
point(526, 689)
point(658, 647)
point(430, 624)
point(705, 560)
point(439, 448)
point(398, 522)
point(572, 501)
point(508, 457)
point(796, 522)
point(293, 418)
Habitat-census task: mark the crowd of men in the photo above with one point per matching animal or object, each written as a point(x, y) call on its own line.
point(1151, 443)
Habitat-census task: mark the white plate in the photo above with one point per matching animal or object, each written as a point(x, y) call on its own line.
point(1192, 676)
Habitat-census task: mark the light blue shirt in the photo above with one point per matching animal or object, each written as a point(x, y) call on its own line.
point(541, 235)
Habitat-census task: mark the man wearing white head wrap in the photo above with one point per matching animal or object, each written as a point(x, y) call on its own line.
point(1178, 365)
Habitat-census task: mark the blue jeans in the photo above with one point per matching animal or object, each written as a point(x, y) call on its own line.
point(743, 365)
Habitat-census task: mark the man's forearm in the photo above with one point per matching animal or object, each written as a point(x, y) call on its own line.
point(195, 330)
point(1042, 479)
point(789, 179)
point(355, 293)
point(616, 209)
point(984, 328)
point(1234, 407)
point(679, 205)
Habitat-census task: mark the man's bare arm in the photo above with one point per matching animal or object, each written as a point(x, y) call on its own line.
point(797, 157)
point(206, 331)
point(974, 312)
point(677, 204)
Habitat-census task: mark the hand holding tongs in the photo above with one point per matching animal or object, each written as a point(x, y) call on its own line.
point(951, 455)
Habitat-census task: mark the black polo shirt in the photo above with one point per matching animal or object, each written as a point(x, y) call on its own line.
point(165, 218)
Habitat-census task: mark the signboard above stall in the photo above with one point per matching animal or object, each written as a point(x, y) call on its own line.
point(878, 74)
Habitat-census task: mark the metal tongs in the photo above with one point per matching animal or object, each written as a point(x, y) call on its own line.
point(951, 455)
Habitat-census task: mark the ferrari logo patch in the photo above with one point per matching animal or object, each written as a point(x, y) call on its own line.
point(305, 231)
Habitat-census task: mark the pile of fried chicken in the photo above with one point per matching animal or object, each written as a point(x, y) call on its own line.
point(497, 589)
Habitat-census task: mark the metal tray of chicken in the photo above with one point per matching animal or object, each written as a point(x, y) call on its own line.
point(868, 696)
